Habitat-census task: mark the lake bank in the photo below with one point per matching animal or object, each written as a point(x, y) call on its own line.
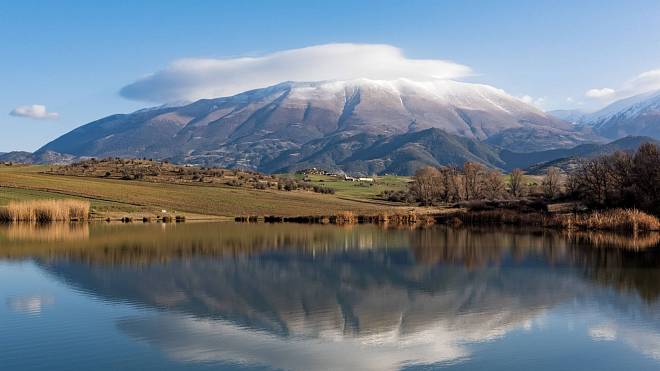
point(164, 200)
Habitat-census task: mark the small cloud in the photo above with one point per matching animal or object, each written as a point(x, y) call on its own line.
point(31, 304)
point(603, 332)
point(645, 82)
point(537, 102)
point(604, 93)
point(34, 111)
point(194, 78)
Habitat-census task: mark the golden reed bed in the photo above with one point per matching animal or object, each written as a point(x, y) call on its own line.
point(619, 220)
point(630, 220)
point(42, 211)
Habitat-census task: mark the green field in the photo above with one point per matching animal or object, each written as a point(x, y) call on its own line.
point(360, 190)
point(113, 195)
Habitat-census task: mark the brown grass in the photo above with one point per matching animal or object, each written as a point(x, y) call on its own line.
point(42, 211)
point(628, 220)
point(623, 220)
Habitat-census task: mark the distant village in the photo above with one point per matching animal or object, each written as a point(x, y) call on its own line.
point(345, 177)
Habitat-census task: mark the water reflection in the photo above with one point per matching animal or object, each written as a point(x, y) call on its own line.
point(324, 297)
point(49, 232)
point(29, 304)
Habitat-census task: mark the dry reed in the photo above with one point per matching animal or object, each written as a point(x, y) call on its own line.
point(43, 211)
point(344, 217)
point(630, 220)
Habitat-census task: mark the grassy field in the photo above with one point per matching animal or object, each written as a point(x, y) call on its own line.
point(129, 196)
point(361, 190)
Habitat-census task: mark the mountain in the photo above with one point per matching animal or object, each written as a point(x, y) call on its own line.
point(17, 156)
point(330, 123)
point(637, 115)
point(569, 115)
point(566, 159)
point(398, 154)
point(42, 157)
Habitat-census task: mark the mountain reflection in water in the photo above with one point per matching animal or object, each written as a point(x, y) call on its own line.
point(362, 297)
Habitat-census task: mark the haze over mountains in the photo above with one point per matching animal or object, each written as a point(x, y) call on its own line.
point(359, 126)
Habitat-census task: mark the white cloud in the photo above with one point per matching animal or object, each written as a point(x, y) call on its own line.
point(646, 81)
point(34, 111)
point(537, 102)
point(603, 93)
point(642, 83)
point(192, 79)
point(604, 332)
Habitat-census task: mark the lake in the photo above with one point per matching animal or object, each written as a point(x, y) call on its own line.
point(197, 296)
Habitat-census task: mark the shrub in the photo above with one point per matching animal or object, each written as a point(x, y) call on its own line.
point(235, 183)
point(322, 189)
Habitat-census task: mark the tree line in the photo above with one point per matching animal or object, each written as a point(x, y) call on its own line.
point(472, 181)
point(622, 179)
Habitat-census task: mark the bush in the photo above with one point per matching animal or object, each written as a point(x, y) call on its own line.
point(322, 189)
point(397, 196)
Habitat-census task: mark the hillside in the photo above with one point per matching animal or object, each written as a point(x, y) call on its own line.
point(398, 154)
point(41, 157)
point(297, 124)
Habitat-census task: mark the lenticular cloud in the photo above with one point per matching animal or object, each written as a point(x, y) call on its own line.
point(192, 79)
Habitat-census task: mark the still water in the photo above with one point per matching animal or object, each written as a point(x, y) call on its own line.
point(238, 296)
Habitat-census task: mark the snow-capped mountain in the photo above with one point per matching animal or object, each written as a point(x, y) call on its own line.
point(637, 115)
point(292, 122)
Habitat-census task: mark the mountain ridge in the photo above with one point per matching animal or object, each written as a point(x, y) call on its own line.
point(638, 115)
point(256, 128)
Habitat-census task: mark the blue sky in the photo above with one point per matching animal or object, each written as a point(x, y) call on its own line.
point(74, 57)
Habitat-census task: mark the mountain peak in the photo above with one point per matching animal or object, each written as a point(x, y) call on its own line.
point(637, 115)
point(288, 123)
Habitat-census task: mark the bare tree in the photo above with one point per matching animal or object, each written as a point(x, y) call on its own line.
point(551, 183)
point(473, 178)
point(516, 182)
point(450, 178)
point(426, 185)
point(493, 187)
